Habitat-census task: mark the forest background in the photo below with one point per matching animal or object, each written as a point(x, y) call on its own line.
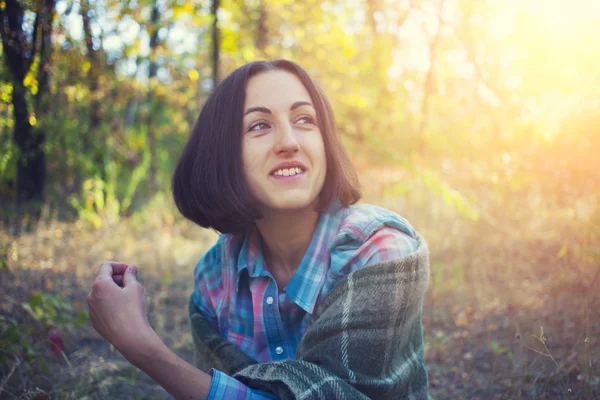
point(477, 120)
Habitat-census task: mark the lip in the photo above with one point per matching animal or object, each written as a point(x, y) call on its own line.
point(288, 164)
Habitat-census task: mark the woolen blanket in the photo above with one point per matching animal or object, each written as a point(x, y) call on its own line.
point(364, 341)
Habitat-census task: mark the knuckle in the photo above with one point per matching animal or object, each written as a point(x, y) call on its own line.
point(97, 287)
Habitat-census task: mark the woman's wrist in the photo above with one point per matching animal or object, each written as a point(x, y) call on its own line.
point(175, 375)
point(140, 349)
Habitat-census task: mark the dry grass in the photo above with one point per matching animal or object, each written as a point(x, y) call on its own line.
point(509, 313)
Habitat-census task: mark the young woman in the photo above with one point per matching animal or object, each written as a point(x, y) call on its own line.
point(304, 295)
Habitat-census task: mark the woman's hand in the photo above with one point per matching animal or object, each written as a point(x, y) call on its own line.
point(117, 306)
point(118, 312)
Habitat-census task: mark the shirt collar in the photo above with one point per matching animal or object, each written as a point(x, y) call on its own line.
point(305, 286)
point(250, 258)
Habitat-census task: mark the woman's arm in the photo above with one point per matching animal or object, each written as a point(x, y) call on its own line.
point(175, 375)
point(118, 312)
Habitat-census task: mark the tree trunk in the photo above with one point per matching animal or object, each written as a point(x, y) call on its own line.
point(19, 55)
point(31, 157)
point(152, 70)
point(93, 73)
point(93, 140)
point(261, 29)
point(214, 8)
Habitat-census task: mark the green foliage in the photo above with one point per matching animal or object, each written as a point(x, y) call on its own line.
point(45, 311)
point(451, 196)
point(91, 204)
point(54, 310)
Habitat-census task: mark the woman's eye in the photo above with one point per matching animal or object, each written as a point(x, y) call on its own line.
point(258, 126)
point(309, 120)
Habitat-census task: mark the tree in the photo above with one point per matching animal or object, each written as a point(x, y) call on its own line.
point(20, 50)
point(214, 8)
point(152, 134)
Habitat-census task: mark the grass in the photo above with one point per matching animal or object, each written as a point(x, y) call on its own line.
point(509, 313)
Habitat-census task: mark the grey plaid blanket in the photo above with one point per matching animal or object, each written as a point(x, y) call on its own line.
point(365, 341)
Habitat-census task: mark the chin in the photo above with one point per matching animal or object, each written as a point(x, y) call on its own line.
point(292, 204)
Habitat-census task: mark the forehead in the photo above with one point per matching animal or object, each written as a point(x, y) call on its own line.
point(273, 89)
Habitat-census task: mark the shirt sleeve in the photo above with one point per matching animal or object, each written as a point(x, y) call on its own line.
point(208, 284)
point(387, 244)
point(224, 386)
point(384, 244)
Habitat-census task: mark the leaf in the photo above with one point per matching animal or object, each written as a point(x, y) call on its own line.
point(35, 301)
point(563, 251)
point(29, 310)
point(82, 318)
point(11, 334)
point(193, 74)
point(496, 347)
point(166, 278)
point(56, 343)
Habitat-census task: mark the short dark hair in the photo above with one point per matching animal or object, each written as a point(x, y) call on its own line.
point(208, 184)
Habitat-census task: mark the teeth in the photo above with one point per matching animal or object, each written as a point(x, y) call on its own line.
point(288, 171)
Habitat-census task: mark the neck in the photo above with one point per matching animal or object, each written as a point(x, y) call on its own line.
point(286, 237)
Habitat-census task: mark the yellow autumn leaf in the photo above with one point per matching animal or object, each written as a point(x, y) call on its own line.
point(193, 74)
point(562, 252)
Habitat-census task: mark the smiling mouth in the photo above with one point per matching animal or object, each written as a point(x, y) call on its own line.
point(288, 172)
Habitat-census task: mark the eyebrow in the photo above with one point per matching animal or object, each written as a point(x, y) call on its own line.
point(267, 111)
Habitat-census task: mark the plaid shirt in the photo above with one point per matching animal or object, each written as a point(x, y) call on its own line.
point(234, 290)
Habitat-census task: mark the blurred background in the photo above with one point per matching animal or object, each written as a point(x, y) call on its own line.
point(478, 121)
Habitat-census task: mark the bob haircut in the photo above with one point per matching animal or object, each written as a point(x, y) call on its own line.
point(208, 184)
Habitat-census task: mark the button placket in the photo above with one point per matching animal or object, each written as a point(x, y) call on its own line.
point(275, 330)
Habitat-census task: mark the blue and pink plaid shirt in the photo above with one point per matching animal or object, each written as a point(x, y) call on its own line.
point(234, 290)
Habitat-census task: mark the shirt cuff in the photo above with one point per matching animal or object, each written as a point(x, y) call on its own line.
point(224, 386)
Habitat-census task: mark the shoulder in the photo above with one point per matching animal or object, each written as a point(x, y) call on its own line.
point(363, 221)
point(219, 254)
point(215, 270)
point(368, 235)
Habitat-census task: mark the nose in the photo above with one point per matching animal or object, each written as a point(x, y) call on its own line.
point(286, 141)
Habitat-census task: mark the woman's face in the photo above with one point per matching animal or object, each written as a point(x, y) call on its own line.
point(282, 148)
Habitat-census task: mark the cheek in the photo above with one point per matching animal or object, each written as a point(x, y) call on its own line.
point(319, 151)
point(250, 160)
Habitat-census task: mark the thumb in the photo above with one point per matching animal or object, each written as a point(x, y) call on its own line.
point(130, 276)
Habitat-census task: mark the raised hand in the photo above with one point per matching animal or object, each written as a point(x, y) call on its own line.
point(117, 306)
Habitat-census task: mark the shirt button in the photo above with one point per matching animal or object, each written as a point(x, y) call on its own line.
point(279, 350)
point(269, 300)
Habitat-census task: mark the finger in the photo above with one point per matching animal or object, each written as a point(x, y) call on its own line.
point(109, 268)
point(118, 279)
point(130, 276)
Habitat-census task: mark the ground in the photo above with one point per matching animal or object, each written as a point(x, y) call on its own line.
point(506, 331)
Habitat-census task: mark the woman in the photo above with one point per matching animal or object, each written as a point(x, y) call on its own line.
point(283, 306)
